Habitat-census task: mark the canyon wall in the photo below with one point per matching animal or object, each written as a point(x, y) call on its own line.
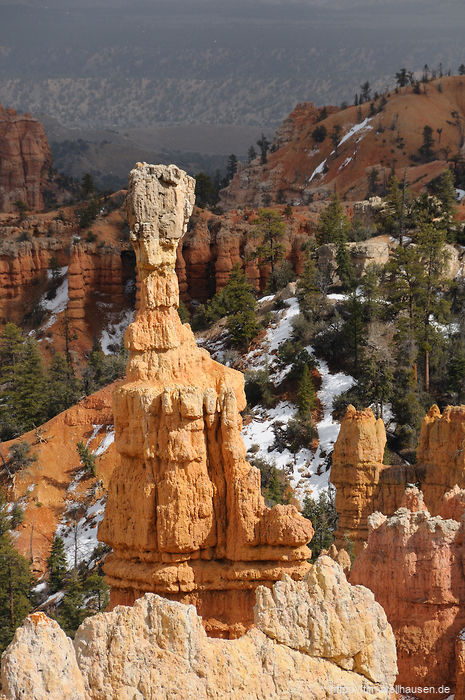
point(25, 160)
point(311, 639)
point(414, 564)
point(213, 244)
point(185, 516)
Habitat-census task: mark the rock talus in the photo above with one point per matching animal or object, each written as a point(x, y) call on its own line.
point(185, 517)
point(315, 639)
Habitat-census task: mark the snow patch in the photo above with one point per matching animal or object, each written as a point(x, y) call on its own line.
point(114, 332)
point(355, 129)
point(318, 170)
point(460, 194)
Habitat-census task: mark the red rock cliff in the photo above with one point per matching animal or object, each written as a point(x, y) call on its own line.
point(185, 516)
point(24, 160)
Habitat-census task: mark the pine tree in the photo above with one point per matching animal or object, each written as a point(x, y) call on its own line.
point(11, 348)
point(251, 154)
point(333, 223)
point(15, 582)
point(30, 395)
point(336, 137)
point(86, 457)
point(323, 516)
point(57, 565)
point(231, 167)
point(73, 609)
point(264, 146)
point(97, 592)
point(64, 389)
point(426, 149)
point(306, 397)
point(270, 227)
point(344, 267)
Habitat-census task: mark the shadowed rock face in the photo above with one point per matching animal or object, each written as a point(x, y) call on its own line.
point(311, 639)
point(24, 159)
point(414, 564)
point(185, 516)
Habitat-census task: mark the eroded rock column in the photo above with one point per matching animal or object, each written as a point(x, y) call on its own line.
point(185, 516)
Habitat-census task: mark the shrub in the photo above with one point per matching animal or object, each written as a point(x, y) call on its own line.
point(86, 457)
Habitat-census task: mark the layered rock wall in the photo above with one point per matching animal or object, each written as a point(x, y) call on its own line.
point(95, 278)
point(414, 564)
point(185, 516)
point(25, 159)
point(313, 639)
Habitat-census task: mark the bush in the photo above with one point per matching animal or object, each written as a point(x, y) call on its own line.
point(300, 433)
point(20, 457)
point(274, 483)
point(323, 515)
point(258, 388)
point(280, 278)
point(319, 133)
point(86, 457)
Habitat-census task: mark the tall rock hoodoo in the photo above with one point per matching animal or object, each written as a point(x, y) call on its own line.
point(185, 516)
point(24, 160)
point(357, 465)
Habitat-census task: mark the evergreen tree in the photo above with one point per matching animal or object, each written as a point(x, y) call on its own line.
point(87, 186)
point(402, 78)
point(64, 389)
point(426, 149)
point(336, 137)
point(270, 227)
point(11, 348)
point(97, 590)
point(15, 582)
point(205, 191)
point(264, 146)
point(73, 608)
point(345, 269)
point(306, 397)
point(251, 154)
point(323, 516)
point(231, 167)
point(57, 565)
point(365, 92)
point(86, 457)
point(462, 69)
point(333, 223)
point(30, 401)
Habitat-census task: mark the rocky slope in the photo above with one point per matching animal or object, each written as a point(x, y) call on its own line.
point(185, 516)
point(25, 160)
point(310, 639)
point(302, 169)
point(413, 563)
point(55, 492)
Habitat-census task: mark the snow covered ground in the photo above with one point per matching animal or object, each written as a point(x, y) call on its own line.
point(113, 333)
point(306, 469)
point(79, 531)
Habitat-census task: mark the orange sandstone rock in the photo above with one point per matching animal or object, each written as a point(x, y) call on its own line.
point(185, 516)
point(357, 464)
point(24, 160)
point(441, 451)
point(413, 563)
